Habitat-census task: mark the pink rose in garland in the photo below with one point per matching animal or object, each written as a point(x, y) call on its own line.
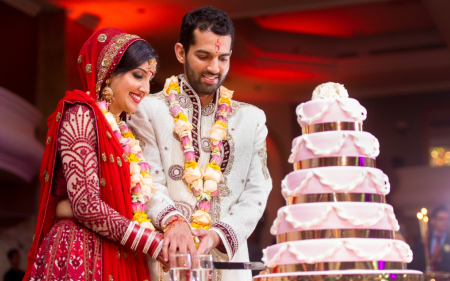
point(204, 206)
point(145, 167)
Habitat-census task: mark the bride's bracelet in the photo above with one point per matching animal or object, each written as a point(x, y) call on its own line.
point(138, 238)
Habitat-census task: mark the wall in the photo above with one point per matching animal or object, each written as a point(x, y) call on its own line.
point(18, 52)
point(400, 124)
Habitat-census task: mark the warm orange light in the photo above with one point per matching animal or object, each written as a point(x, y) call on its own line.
point(351, 20)
point(419, 215)
point(134, 16)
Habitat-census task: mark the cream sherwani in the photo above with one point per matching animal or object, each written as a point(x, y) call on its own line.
point(246, 183)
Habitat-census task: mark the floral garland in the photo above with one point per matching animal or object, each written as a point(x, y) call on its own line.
point(204, 183)
point(142, 187)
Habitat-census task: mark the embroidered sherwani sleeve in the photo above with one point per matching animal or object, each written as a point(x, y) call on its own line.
point(160, 206)
point(77, 144)
point(237, 225)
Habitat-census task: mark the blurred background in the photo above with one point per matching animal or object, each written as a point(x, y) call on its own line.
point(391, 55)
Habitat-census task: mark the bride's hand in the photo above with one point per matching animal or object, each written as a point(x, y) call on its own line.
point(165, 265)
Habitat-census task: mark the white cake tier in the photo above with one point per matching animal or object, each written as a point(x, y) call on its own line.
point(334, 144)
point(330, 110)
point(335, 180)
point(336, 215)
point(337, 250)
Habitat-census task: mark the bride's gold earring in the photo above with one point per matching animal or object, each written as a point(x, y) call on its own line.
point(107, 92)
point(129, 115)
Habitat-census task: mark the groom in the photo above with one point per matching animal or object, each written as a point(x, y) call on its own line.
point(193, 125)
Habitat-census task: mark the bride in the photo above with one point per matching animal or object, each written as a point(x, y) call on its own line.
point(94, 180)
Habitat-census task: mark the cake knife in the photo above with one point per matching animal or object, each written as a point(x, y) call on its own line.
point(235, 265)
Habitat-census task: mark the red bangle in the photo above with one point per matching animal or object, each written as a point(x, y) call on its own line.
point(132, 236)
point(156, 243)
point(127, 233)
point(151, 242)
point(143, 241)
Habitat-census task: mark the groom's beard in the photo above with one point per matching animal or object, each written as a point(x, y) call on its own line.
point(199, 86)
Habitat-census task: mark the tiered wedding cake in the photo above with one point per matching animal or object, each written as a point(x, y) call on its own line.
point(336, 225)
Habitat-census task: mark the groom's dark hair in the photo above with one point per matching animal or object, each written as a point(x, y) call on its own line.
point(205, 18)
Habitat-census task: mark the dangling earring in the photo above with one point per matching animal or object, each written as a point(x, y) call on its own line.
point(129, 115)
point(107, 92)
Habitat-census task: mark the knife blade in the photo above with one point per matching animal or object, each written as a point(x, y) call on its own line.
point(235, 265)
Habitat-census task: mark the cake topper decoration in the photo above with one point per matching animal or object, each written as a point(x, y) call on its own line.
point(329, 90)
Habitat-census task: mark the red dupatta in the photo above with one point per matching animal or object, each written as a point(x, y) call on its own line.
point(98, 58)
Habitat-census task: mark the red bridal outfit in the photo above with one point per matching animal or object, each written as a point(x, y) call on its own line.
point(85, 163)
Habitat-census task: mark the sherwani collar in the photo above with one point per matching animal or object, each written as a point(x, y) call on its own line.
point(187, 89)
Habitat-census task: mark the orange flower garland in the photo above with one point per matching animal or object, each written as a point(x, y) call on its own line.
point(142, 187)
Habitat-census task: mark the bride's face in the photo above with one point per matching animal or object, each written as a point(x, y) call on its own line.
point(130, 88)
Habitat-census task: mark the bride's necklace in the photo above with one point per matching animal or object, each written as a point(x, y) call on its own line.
point(203, 183)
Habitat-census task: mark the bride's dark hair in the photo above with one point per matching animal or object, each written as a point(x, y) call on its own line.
point(138, 53)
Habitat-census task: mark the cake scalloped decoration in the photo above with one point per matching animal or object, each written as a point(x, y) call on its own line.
point(383, 186)
point(329, 90)
point(400, 247)
point(382, 212)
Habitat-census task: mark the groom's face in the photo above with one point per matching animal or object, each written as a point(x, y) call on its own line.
point(207, 61)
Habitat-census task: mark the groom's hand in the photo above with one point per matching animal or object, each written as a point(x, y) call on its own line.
point(208, 240)
point(178, 237)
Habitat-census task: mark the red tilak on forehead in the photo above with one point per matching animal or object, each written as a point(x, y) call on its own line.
point(217, 46)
